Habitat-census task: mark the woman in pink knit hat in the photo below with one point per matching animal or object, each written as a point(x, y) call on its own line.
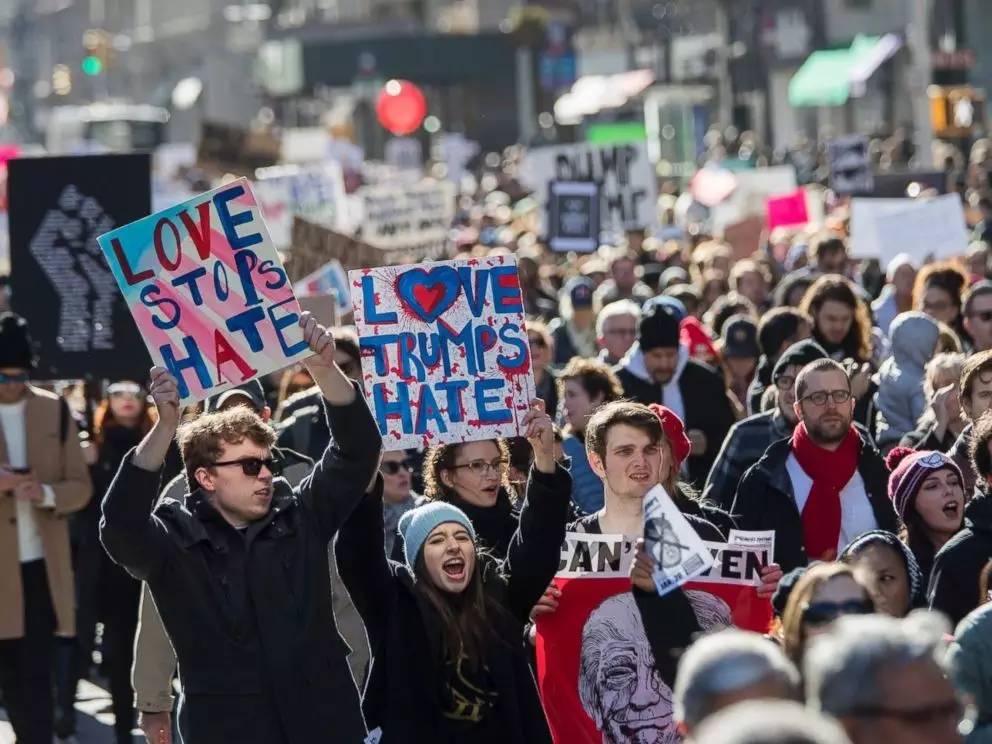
point(927, 491)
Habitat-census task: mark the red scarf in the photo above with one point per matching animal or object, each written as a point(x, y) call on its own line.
point(830, 472)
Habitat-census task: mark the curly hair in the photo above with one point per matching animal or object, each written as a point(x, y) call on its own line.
point(441, 457)
point(595, 377)
point(202, 439)
point(835, 288)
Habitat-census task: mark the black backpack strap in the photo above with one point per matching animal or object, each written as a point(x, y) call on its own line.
point(63, 420)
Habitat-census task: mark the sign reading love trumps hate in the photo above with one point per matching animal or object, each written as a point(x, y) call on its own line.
point(207, 291)
point(444, 350)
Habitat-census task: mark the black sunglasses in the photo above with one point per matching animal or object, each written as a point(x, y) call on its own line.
point(821, 613)
point(252, 465)
point(18, 377)
point(392, 468)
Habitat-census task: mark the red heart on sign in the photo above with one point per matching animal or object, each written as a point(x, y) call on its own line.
point(428, 297)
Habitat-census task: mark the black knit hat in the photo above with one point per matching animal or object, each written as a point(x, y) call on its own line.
point(659, 328)
point(15, 343)
point(776, 327)
point(799, 354)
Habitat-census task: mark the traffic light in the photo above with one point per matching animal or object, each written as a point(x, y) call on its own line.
point(92, 65)
point(97, 45)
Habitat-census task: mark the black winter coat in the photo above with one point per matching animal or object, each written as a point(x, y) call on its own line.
point(707, 408)
point(249, 612)
point(403, 693)
point(765, 500)
point(954, 580)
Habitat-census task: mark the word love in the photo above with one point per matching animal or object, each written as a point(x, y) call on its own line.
point(207, 290)
point(444, 349)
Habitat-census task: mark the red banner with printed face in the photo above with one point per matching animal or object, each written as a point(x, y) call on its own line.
point(596, 671)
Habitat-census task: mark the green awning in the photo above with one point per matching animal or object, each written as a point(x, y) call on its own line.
point(829, 77)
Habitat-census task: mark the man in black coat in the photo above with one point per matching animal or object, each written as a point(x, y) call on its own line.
point(239, 572)
point(825, 485)
point(658, 370)
point(957, 567)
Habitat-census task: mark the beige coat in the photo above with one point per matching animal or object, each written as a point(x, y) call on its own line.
point(59, 465)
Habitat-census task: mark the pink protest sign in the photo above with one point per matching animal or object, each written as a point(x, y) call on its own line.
point(786, 210)
point(207, 291)
point(445, 356)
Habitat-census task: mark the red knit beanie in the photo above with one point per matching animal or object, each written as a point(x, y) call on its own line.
point(909, 468)
point(674, 430)
point(694, 336)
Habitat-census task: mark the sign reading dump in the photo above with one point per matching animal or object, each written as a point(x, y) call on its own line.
point(207, 291)
point(444, 350)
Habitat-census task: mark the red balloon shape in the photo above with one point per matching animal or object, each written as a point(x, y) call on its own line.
point(401, 107)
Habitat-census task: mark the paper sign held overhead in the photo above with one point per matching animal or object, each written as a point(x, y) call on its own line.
point(445, 356)
point(850, 167)
point(573, 216)
point(208, 292)
point(923, 228)
point(788, 210)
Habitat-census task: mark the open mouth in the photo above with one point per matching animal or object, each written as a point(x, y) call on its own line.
point(640, 477)
point(952, 509)
point(490, 490)
point(454, 568)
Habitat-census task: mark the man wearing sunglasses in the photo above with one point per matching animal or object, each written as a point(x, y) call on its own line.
point(977, 312)
point(43, 479)
point(823, 486)
point(239, 571)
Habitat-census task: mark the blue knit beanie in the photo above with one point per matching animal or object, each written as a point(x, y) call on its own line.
point(417, 524)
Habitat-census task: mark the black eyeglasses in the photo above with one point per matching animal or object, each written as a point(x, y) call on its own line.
point(17, 377)
point(821, 613)
point(819, 398)
point(392, 468)
point(251, 465)
point(785, 382)
point(985, 316)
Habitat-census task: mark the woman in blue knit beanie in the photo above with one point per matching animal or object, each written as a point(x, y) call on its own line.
point(446, 625)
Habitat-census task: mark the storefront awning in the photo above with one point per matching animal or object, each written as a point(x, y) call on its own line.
point(829, 77)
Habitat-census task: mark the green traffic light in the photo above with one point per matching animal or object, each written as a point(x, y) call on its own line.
point(92, 65)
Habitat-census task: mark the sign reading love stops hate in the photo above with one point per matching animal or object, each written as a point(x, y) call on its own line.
point(444, 350)
point(208, 292)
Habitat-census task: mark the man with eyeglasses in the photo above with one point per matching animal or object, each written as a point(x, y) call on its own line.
point(884, 679)
point(239, 571)
point(977, 312)
point(823, 486)
point(616, 330)
point(43, 479)
point(748, 439)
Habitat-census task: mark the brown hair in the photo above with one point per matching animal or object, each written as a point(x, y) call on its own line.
point(620, 412)
point(748, 266)
point(540, 328)
point(595, 377)
point(202, 439)
point(978, 450)
point(792, 629)
point(976, 366)
point(442, 457)
point(104, 420)
point(834, 287)
point(819, 365)
point(945, 275)
point(825, 242)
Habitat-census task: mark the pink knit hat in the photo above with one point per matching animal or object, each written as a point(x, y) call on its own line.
point(909, 469)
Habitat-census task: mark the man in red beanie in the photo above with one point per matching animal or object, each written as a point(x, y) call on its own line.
point(826, 484)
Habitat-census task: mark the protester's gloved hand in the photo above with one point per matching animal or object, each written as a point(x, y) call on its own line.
point(642, 568)
point(165, 394)
point(157, 727)
point(770, 576)
point(9, 480)
point(540, 433)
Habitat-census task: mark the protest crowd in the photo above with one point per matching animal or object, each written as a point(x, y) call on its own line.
point(672, 486)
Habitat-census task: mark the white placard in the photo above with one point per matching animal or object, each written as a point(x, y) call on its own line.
point(883, 228)
point(678, 550)
point(629, 186)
